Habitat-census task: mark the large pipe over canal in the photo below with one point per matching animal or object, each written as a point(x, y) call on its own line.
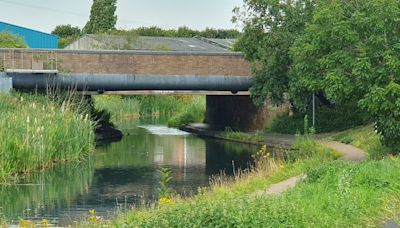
point(126, 82)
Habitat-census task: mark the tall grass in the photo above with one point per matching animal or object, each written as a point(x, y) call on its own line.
point(183, 108)
point(38, 132)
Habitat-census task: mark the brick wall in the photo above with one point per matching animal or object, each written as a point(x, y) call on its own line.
point(126, 62)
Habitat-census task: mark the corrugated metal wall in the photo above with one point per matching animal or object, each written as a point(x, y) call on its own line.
point(33, 38)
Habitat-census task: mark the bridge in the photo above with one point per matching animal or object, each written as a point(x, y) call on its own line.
point(223, 76)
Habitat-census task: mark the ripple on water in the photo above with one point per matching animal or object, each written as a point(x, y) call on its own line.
point(163, 130)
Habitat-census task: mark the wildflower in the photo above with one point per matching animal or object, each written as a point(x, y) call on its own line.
point(166, 201)
point(44, 223)
point(27, 119)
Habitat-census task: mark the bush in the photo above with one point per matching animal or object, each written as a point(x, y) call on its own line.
point(8, 40)
point(384, 105)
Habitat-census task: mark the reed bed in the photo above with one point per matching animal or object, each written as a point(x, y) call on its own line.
point(40, 131)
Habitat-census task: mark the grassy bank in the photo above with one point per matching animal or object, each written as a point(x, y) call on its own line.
point(181, 110)
point(333, 194)
point(365, 138)
point(38, 132)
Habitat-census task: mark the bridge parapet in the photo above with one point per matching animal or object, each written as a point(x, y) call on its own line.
point(127, 62)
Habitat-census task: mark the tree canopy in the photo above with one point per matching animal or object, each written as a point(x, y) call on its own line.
point(270, 28)
point(344, 51)
point(102, 17)
point(8, 40)
point(64, 31)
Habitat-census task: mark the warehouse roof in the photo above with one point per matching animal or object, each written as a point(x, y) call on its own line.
point(117, 42)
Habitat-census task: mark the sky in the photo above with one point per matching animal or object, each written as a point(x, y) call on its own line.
point(45, 15)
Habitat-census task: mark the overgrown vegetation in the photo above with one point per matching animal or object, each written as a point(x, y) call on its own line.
point(193, 113)
point(67, 34)
point(326, 120)
point(182, 31)
point(344, 52)
point(39, 132)
point(8, 40)
point(184, 109)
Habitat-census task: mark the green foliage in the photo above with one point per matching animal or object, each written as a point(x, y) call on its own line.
point(180, 32)
point(102, 17)
point(347, 50)
point(182, 109)
point(350, 51)
point(326, 120)
point(67, 33)
point(194, 113)
point(384, 106)
point(63, 42)
point(164, 191)
point(333, 194)
point(64, 31)
point(364, 138)
point(8, 40)
point(39, 132)
point(270, 28)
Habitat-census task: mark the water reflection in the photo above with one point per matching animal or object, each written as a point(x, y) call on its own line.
point(123, 174)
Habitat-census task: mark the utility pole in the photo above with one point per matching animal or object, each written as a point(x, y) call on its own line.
point(313, 109)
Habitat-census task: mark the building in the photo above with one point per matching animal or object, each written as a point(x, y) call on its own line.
point(147, 43)
point(33, 38)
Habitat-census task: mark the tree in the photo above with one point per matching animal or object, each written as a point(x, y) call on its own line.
point(8, 40)
point(102, 17)
point(64, 31)
point(270, 28)
point(351, 53)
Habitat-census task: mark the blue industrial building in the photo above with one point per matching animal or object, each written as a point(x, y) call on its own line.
point(33, 38)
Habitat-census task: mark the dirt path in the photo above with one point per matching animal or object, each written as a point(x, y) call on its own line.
point(349, 153)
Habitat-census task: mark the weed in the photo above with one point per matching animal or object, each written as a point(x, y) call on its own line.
point(164, 191)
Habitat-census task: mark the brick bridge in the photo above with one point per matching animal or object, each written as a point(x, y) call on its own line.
point(145, 71)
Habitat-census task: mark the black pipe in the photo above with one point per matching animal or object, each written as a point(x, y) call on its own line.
point(127, 82)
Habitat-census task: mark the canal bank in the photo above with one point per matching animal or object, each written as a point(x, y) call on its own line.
point(331, 193)
point(124, 174)
point(272, 140)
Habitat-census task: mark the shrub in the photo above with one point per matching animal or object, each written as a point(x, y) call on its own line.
point(8, 40)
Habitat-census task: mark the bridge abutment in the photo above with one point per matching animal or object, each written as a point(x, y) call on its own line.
point(235, 112)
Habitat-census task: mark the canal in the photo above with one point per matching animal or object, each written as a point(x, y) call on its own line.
point(123, 174)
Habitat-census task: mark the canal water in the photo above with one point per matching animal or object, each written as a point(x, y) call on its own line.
point(122, 174)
